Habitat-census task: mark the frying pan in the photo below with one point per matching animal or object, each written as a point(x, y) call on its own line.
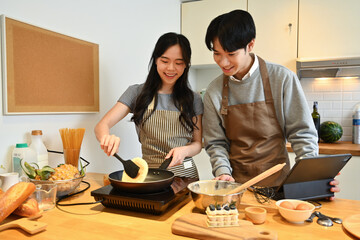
point(156, 180)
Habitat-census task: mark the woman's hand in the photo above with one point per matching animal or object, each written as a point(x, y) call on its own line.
point(225, 177)
point(110, 144)
point(178, 154)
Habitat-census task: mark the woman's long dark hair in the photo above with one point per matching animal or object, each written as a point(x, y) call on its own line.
point(182, 95)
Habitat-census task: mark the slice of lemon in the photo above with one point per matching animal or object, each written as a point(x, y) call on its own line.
point(143, 171)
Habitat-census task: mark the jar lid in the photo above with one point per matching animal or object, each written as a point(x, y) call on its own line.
point(36, 132)
point(21, 145)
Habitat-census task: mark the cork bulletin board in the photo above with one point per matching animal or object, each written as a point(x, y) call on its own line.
point(45, 72)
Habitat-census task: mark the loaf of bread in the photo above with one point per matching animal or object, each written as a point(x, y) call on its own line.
point(29, 208)
point(14, 197)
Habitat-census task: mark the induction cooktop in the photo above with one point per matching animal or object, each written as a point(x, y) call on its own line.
point(153, 203)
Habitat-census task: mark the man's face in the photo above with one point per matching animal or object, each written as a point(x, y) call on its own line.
point(235, 63)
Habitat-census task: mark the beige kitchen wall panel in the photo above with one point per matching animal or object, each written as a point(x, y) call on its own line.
point(329, 28)
point(196, 17)
point(276, 30)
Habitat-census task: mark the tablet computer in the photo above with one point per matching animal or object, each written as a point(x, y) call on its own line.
point(309, 178)
point(316, 168)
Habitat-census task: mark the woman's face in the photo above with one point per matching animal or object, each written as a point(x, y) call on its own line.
point(171, 65)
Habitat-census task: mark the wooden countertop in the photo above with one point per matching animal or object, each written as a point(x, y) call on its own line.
point(335, 148)
point(97, 222)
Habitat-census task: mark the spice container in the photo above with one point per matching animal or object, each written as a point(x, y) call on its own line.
point(21, 152)
point(356, 125)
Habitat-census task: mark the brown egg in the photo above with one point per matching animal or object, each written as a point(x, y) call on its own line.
point(302, 206)
point(287, 205)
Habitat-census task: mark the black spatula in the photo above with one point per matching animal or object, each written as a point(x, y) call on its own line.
point(130, 167)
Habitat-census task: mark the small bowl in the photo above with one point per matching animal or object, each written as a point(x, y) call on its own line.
point(257, 215)
point(206, 192)
point(292, 215)
point(64, 187)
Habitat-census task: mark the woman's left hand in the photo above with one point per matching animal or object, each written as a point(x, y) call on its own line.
point(178, 154)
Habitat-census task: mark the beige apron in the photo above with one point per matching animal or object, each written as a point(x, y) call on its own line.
point(162, 132)
point(256, 139)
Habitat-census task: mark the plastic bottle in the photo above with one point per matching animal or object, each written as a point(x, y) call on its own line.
point(316, 117)
point(356, 125)
point(38, 146)
point(22, 152)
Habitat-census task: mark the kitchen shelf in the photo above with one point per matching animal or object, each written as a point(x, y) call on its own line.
point(335, 148)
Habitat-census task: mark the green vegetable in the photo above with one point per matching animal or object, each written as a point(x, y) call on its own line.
point(330, 131)
point(31, 171)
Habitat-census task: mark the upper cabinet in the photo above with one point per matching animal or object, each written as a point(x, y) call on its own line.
point(285, 29)
point(196, 17)
point(329, 28)
point(276, 30)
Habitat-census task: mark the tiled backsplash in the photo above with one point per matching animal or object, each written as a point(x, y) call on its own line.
point(337, 98)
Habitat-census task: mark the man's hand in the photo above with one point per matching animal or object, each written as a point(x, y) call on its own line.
point(225, 177)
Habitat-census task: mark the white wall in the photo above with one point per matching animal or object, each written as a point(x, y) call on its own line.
point(126, 32)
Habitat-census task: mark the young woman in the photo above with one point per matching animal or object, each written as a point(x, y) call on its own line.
point(166, 112)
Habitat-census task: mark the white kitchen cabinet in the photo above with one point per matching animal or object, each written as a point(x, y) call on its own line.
point(196, 17)
point(329, 28)
point(348, 178)
point(276, 30)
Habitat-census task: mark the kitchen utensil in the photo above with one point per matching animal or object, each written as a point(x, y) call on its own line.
point(155, 181)
point(256, 215)
point(206, 192)
point(130, 167)
point(258, 178)
point(194, 225)
point(335, 220)
point(45, 195)
point(310, 219)
point(323, 220)
point(166, 163)
point(64, 187)
point(352, 225)
point(25, 224)
point(295, 215)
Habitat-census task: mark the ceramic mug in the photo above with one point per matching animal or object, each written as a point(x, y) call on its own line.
point(256, 215)
point(8, 179)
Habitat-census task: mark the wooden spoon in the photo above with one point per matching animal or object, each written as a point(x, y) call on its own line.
point(258, 178)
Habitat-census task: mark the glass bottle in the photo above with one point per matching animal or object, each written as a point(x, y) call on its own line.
point(38, 146)
point(316, 118)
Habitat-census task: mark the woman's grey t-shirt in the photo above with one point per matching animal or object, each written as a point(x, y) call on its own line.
point(165, 101)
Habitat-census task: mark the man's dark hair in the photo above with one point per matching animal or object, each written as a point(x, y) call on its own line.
point(234, 30)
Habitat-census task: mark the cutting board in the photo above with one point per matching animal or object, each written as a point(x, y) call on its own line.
point(352, 224)
point(26, 224)
point(194, 225)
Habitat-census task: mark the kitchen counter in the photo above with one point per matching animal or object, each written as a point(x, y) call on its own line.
point(335, 148)
point(97, 222)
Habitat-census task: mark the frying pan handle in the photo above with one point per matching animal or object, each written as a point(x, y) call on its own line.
point(166, 163)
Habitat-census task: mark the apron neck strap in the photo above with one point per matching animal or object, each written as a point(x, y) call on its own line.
point(265, 80)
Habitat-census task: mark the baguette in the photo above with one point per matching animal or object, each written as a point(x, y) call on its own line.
point(14, 197)
point(29, 208)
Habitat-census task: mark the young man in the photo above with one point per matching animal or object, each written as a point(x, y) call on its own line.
point(252, 108)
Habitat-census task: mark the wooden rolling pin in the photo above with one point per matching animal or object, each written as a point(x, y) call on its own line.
point(258, 178)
